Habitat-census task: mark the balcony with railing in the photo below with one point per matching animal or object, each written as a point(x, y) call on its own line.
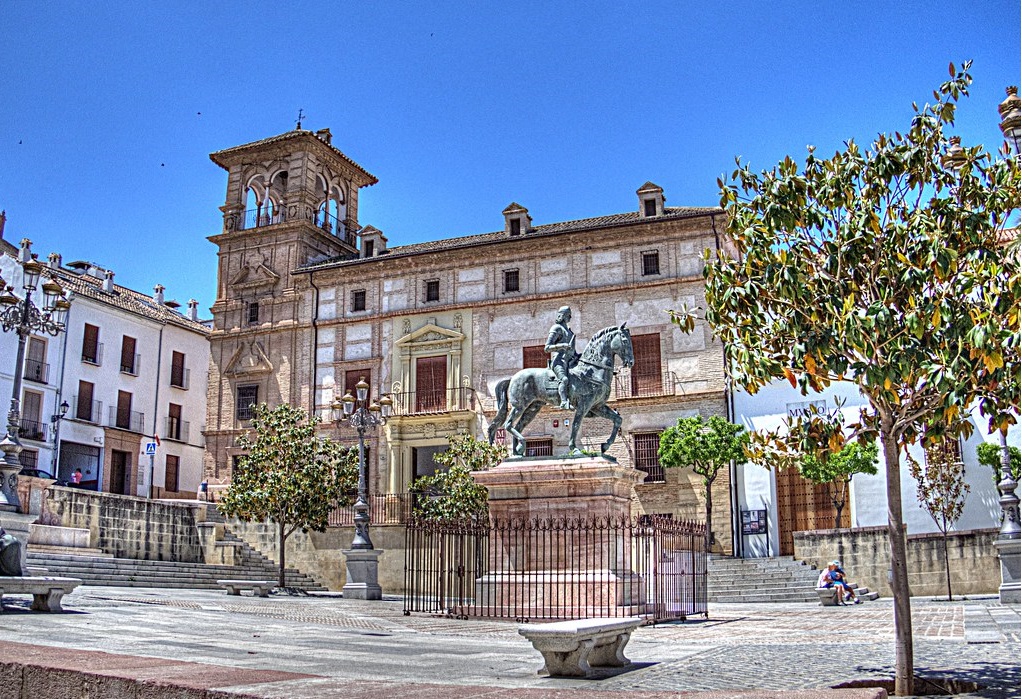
point(90, 411)
point(93, 354)
point(263, 217)
point(177, 429)
point(432, 402)
point(33, 429)
point(629, 384)
point(36, 371)
point(130, 364)
point(180, 378)
point(124, 419)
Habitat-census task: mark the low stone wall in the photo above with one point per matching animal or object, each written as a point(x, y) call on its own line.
point(865, 555)
point(130, 527)
point(319, 553)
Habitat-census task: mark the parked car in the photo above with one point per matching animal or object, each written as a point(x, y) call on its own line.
point(39, 473)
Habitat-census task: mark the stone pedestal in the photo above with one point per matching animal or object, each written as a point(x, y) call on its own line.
point(1011, 580)
point(559, 487)
point(362, 569)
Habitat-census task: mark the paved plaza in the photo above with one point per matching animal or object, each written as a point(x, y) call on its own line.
point(324, 646)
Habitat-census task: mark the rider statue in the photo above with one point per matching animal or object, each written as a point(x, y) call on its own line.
point(561, 344)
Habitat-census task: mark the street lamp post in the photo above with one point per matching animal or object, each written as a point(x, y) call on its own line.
point(362, 560)
point(55, 421)
point(23, 317)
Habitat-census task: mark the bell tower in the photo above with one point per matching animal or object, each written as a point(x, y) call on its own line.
point(291, 200)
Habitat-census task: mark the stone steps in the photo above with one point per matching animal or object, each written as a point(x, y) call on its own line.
point(740, 580)
point(68, 551)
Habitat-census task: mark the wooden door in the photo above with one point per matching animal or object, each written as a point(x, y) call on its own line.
point(120, 469)
point(803, 506)
point(431, 384)
point(646, 373)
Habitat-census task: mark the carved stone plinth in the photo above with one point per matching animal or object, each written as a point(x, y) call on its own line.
point(1008, 551)
point(362, 568)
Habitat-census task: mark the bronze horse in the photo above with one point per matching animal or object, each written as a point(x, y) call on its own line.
point(521, 397)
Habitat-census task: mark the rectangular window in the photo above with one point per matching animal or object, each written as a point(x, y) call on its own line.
point(29, 459)
point(646, 375)
point(123, 415)
point(32, 426)
point(369, 248)
point(649, 207)
point(432, 290)
point(129, 359)
point(358, 300)
point(351, 379)
point(646, 460)
point(177, 370)
point(511, 281)
point(650, 263)
point(90, 344)
point(83, 407)
point(248, 396)
point(170, 479)
point(539, 447)
point(516, 226)
point(431, 384)
point(174, 421)
point(534, 357)
point(36, 368)
point(253, 313)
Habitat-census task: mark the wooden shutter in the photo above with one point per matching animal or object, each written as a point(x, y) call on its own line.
point(431, 384)
point(534, 357)
point(83, 411)
point(646, 373)
point(170, 479)
point(90, 344)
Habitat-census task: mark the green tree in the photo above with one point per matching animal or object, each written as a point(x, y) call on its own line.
point(989, 454)
point(836, 470)
point(289, 475)
point(941, 489)
point(882, 267)
point(706, 446)
point(451, 493)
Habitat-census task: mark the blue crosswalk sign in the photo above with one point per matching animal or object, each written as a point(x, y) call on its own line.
point(150, 448)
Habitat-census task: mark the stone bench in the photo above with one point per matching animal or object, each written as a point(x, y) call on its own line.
point(829, 596)
point(573, 648)
point(258, 587)
point(46, 592)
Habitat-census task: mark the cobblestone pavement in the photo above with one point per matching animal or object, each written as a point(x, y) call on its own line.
point(751, 646)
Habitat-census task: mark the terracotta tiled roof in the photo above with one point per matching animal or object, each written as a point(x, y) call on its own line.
point(221, 155)
point(123, 298)
point(612, 220)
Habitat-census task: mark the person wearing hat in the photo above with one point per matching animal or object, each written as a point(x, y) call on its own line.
point(835, 577)
point(560, 343)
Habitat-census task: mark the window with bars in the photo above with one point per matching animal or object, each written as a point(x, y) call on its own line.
point(647, 379)
point(29, 458)
point(248, 396)
point(539, 447)
point(534, 357)
point(646, 460)
point(432, 290)
point(511, 281)
point(170, 479)
point(650, 263)
point(253, 313)
point(358, 300)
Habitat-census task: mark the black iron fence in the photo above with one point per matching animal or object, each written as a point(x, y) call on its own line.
point(562, 568)
point(393, 508)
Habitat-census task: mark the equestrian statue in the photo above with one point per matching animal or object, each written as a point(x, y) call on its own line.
point(572, 382)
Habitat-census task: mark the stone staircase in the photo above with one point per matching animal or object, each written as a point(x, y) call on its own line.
point(781, 579)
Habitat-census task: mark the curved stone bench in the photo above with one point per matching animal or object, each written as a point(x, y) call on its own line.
point(46, 592)
point(573, 648)
point(258, 587)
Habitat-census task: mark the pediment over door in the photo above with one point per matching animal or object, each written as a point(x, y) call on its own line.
point(254, 276)
point(431, 338)
point(249, 360)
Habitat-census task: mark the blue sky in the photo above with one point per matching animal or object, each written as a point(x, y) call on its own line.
point(108, 110)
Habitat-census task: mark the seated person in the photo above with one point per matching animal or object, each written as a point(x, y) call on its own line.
point(835, 577)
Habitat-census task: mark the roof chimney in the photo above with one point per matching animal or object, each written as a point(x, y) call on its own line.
point(55, 260)
point(3, 222)
point(158, 294)
point(324, 135)
point(108, 282)
point(516, 219)
point(193, 310)
point(651, 200)
point(25, 254)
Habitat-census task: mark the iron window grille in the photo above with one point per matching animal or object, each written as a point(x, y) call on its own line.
point(358, 300)
point(248, 396)
point(646, 459)
point(511, 281)
point(650, 263)
point(432, 290)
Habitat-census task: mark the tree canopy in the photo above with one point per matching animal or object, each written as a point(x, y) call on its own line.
point(288, 474)
point(451, 493)
point(990, 455)
point(885, 267)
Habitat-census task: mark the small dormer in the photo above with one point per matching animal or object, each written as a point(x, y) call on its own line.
point(516, 219)
point(651, 200)
point(372, 242)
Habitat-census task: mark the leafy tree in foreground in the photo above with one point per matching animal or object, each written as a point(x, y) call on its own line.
point(289, 475)
point(836, 470)
point(941, 489)
point(881, 267)
point(990, 455)
point(451, 493)
point(706, 446)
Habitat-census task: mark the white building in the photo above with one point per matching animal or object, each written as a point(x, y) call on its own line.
point(132, 370)
point(791, 504)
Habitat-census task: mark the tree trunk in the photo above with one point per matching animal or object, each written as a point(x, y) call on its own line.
point(903, 663)
point(280, 569)
point(947, 567)
point(709, 513)
point(838, 509)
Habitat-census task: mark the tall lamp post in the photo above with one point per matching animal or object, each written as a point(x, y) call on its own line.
point(23, 317)
point(362, 560)
point(1009, 540)
point(55, 421)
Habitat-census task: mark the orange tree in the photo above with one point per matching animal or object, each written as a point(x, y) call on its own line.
point(882, 267)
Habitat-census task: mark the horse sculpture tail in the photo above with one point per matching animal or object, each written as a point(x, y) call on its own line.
point(498, 419)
